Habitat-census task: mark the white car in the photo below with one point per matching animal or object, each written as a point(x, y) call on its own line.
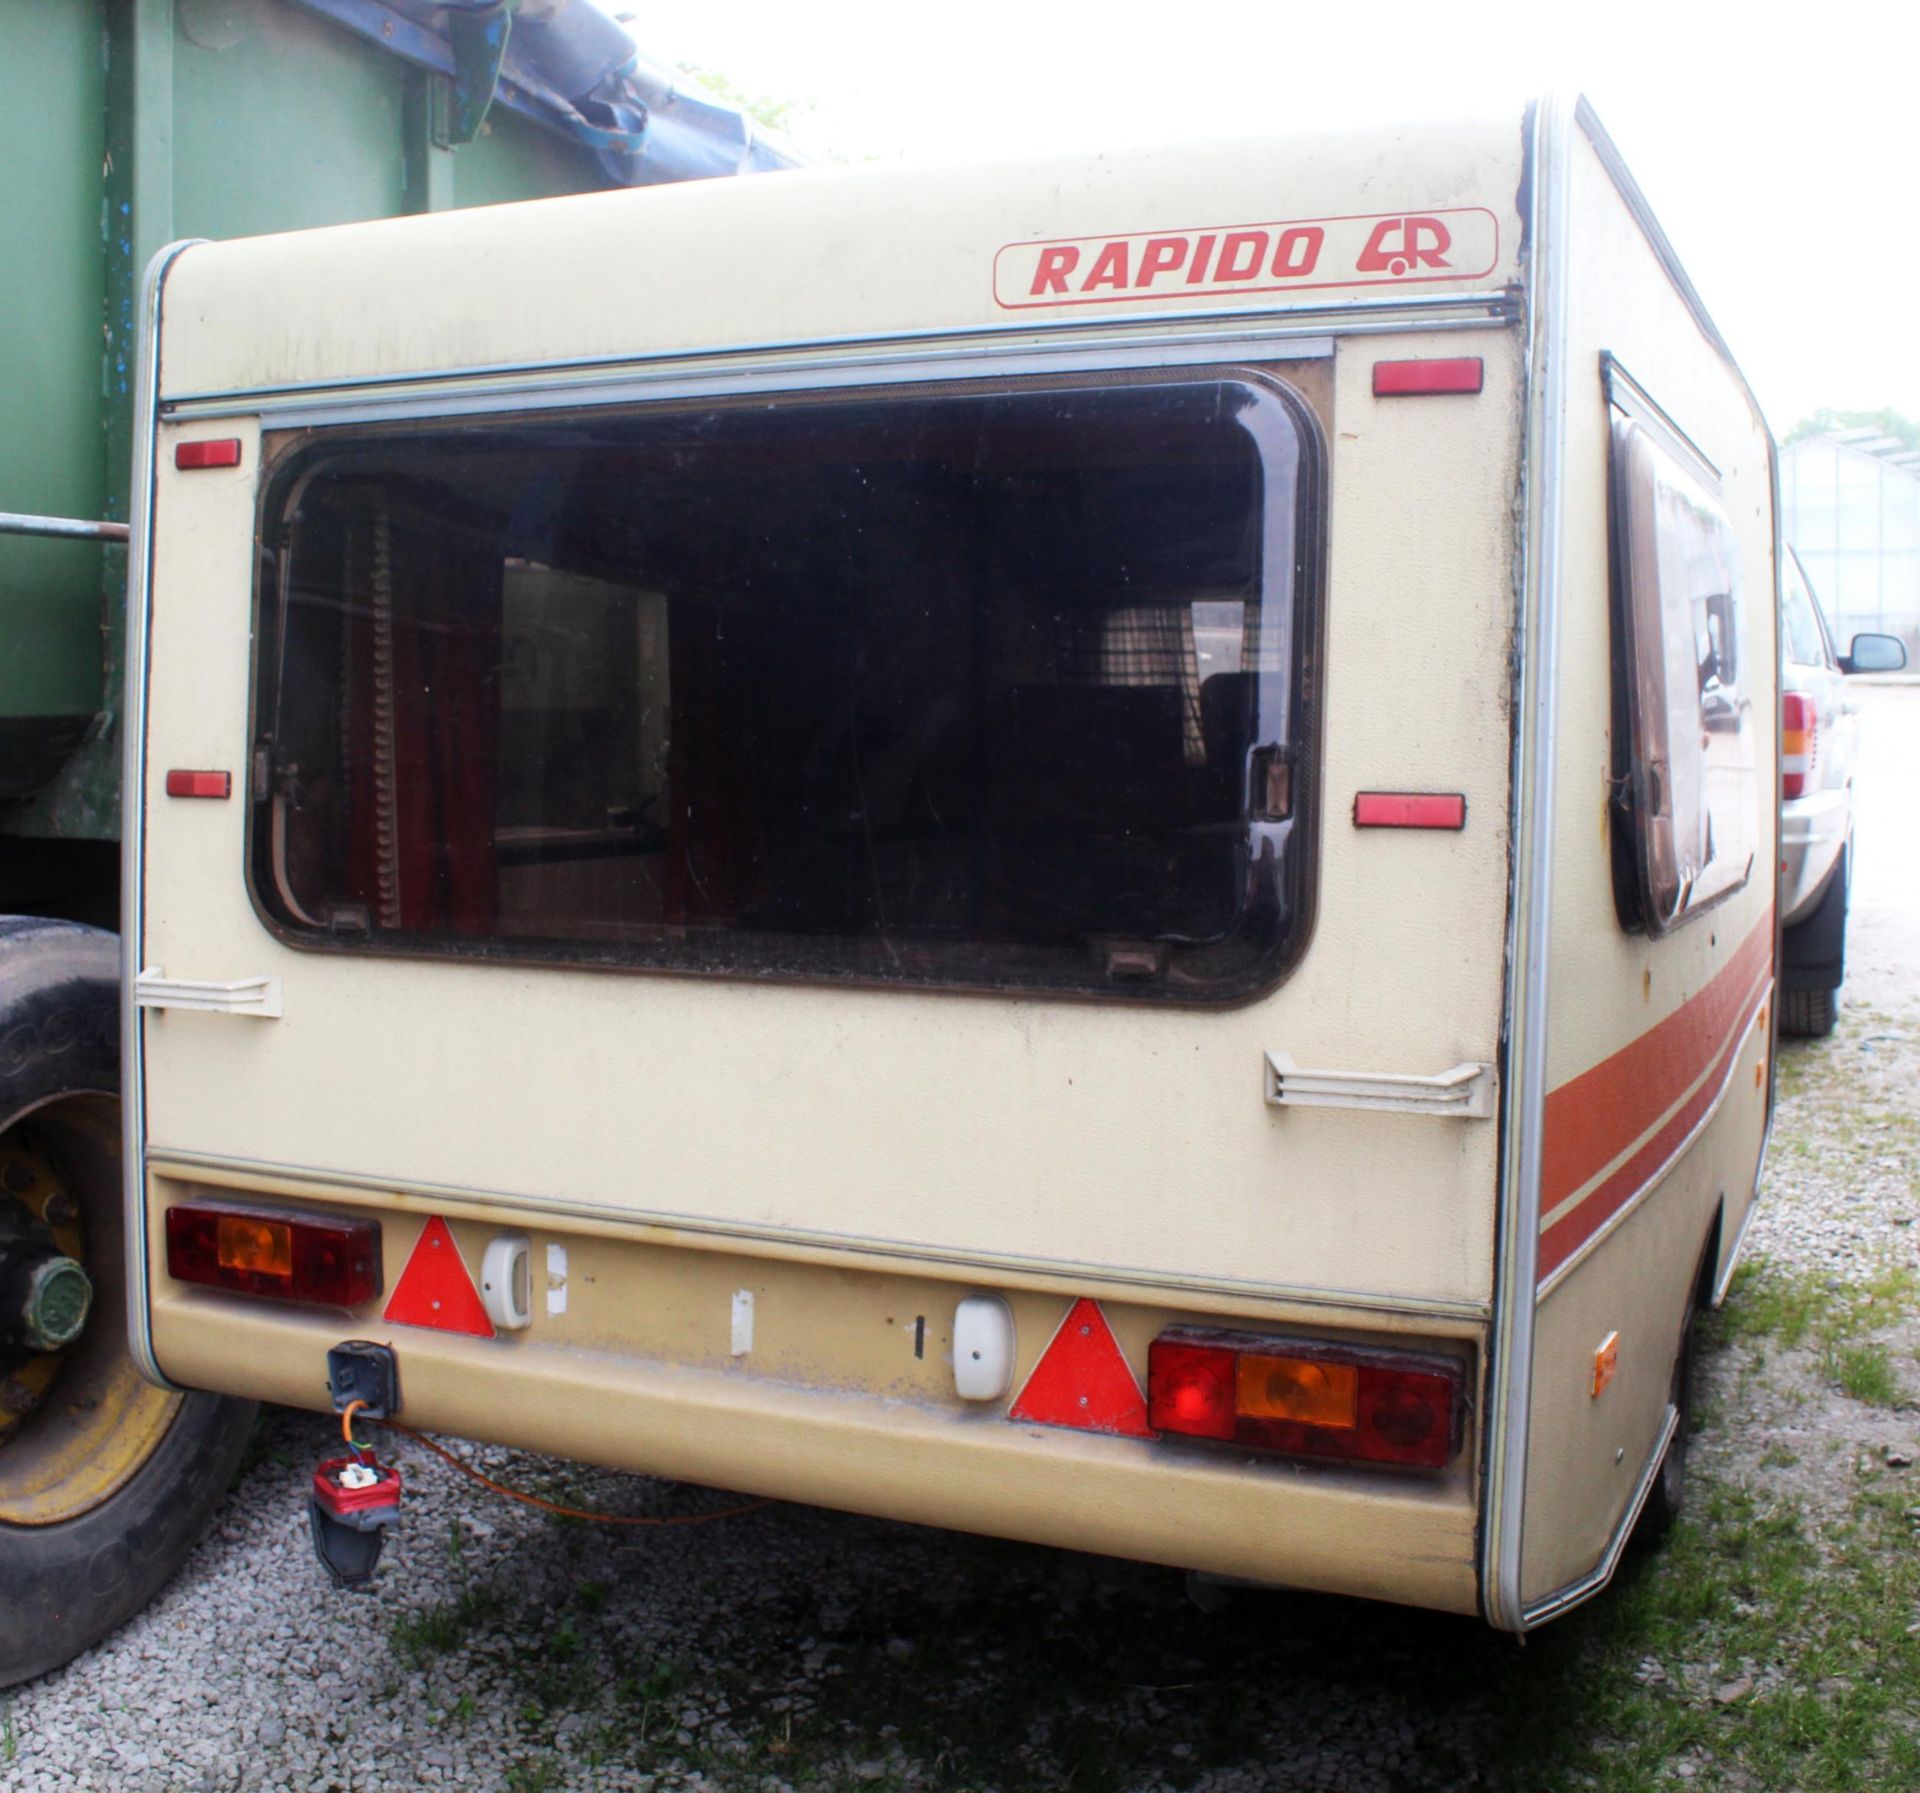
point(1819, 743)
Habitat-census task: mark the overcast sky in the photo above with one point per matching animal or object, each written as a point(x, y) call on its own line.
point(1781, 149)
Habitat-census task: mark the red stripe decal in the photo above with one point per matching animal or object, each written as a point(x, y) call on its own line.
point(1594, 1117)
point(1603, 1110)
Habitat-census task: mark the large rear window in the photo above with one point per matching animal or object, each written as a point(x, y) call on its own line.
point(981, 687)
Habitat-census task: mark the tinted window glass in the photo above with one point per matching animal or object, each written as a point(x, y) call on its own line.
point(950, 685)
point(1803, 642)
point(1687, 790)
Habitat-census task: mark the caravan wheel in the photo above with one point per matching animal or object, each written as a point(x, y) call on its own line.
point(106, 1482)
point(1669, 1488)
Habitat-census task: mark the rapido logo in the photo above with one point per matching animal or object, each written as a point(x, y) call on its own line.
point(1456, 243)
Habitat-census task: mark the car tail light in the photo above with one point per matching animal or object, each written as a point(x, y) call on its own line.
point(1799, 741)
point(271, 1252)
point(1303, 1397)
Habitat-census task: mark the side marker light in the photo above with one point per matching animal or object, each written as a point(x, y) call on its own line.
point(1606, 1359)
point(1410, 809)
point(190, 457)
point(182, 783)
point(1419, 379)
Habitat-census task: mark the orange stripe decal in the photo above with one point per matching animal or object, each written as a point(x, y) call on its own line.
point(1595, 1117)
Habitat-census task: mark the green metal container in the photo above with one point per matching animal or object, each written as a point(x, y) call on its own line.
point(125, 124)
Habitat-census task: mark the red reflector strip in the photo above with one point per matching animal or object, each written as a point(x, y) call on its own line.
point(1409, 809)
point(224, 451)
point(329, 1261)
point(1405, 1409)
point(181, 783)
point(1412, 379)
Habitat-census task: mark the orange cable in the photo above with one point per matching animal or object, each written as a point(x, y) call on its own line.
point(534, 1500)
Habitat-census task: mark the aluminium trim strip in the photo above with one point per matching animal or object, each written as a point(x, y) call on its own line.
point(1551, 1606)
point(1516, 1305)
point(1280, 326)
point(1636, 203)
point(1738, 1251)
point(963, 1266)
point(658, 384)
point(133, 807)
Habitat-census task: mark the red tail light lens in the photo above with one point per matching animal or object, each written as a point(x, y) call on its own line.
point(1799, 742)
point(276, 1253)
point(1306, 1398)
point(1191, 1388)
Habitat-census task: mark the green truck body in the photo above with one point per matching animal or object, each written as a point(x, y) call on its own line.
point(126, 125)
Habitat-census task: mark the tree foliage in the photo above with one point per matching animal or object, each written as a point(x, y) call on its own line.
point(1887, 421)
point(776, 114)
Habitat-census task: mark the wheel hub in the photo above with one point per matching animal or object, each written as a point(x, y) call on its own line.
point(76, 1419)
point(44, 1299)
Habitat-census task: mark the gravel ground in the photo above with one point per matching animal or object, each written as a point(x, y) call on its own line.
point(1844, 1164)
point(795, 1648)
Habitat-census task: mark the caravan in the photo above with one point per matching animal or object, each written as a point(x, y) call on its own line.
point(1080, 850)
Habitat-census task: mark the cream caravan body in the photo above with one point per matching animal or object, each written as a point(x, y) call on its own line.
point(1233, 855)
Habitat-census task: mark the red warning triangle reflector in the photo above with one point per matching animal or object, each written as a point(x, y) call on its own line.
point(435, 1289)
point(1083, 1381)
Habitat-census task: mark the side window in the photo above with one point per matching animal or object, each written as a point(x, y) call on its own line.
point(1801, 639)
point(1685, 785)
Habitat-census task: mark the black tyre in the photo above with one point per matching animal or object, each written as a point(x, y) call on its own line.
point(1668, 1493)
point(1813, 957)
point(106, 1482)
point(1809, 1014)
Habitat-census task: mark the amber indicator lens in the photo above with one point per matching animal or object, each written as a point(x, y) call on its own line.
point(1317, 1394)
point(285, 1256)
point(263, 1246)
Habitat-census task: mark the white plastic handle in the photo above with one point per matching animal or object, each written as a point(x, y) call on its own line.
point(1465, 1092)
point(257, 996)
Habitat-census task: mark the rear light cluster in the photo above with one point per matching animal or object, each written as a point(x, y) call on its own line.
point(1799, 742)
point(259, 1251)
point(1305, 1398)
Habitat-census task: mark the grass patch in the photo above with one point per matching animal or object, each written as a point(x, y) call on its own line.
point(533, 1774)
point(1834, 1317)
point(1764, 1656)
point(417, 1637)
point(1864, 1371)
